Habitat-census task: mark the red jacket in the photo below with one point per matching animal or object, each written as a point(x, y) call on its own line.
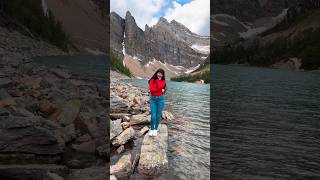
point(156, 87)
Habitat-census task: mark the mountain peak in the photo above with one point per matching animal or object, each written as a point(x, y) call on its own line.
point(128, 13)
point(162, 19)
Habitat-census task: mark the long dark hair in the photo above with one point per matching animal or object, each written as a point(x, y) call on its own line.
point(155, 77)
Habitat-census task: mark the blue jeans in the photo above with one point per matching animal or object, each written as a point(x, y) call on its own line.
point(156, 106)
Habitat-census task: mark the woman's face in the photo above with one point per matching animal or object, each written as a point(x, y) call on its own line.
point(159, 75)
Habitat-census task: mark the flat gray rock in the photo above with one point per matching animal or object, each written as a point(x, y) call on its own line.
point(32, 135)
point(60, 73)
point(115, 128)
point(123, 167)
point(153, 157)
point(5, 82)
point(118, 105)
point(123, 137)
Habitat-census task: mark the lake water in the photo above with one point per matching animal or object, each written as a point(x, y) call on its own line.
point(265, 123)
point(189, 133)
point(86, 66)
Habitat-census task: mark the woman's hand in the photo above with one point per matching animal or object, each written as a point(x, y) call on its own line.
point(163, 90)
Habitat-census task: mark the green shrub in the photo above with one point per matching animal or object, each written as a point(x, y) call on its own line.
point(116, 64)
point(193, 78)
point(29, 14)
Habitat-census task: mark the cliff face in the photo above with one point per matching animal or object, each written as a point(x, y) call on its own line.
point(168, 42)
point(83, 21)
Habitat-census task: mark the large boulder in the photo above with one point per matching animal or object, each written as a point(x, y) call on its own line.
point(29, 134)
point(68, 112)
point(153, 158)
point(123, 167)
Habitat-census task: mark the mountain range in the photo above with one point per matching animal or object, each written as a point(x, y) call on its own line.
point(169, 45)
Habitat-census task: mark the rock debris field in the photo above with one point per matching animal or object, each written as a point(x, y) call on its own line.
point(130, 119)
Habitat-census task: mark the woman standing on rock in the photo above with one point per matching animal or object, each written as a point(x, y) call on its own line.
point(157, 86)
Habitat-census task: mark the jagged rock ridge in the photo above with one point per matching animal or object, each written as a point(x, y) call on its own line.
point(168, 42)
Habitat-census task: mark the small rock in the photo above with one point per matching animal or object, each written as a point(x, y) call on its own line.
point(123, 167)
point(139, 119)
point(54, 176)
point(167, 115)
point(115, 128)
point(60, 73)
point(68, 133)
point(69, 112)
point(143, 131)
point(125, 118)
point(31, 82)
point(103, 150)
point(125, 125)
point(83, 138)
point(120, 149)
point(113, 177)
point(123, 137)
point(7, 102)
point(46, 107)
point(86, 147)
point(136, 100)
point(119, 115)
point(5, 82)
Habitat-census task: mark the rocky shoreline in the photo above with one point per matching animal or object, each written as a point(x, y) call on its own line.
point(53, 122)
point(136, 154)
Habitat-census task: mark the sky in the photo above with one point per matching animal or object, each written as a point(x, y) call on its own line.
point(194, 14)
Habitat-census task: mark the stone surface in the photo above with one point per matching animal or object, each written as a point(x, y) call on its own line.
point(153, 158)
point(60, 73)
point(115, 128)
point(68, 133)
point(143, 131)
point(47, 107)
point(118, 105)
point(123, 137)
point(139, 119)
point(29, 134)
point(92, 173)
point(85, 147)
point(167, 115)
point(7, 102)
point(104, 150)
point(5, 82)
point(123, 167)
point(69, 112)
point(120, 149)
point(32, 171)
point(113, 177)
point(118, 115)
point(125, 125)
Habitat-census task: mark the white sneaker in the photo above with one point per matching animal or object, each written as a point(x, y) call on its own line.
point(155, 133)
point(150, 132)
